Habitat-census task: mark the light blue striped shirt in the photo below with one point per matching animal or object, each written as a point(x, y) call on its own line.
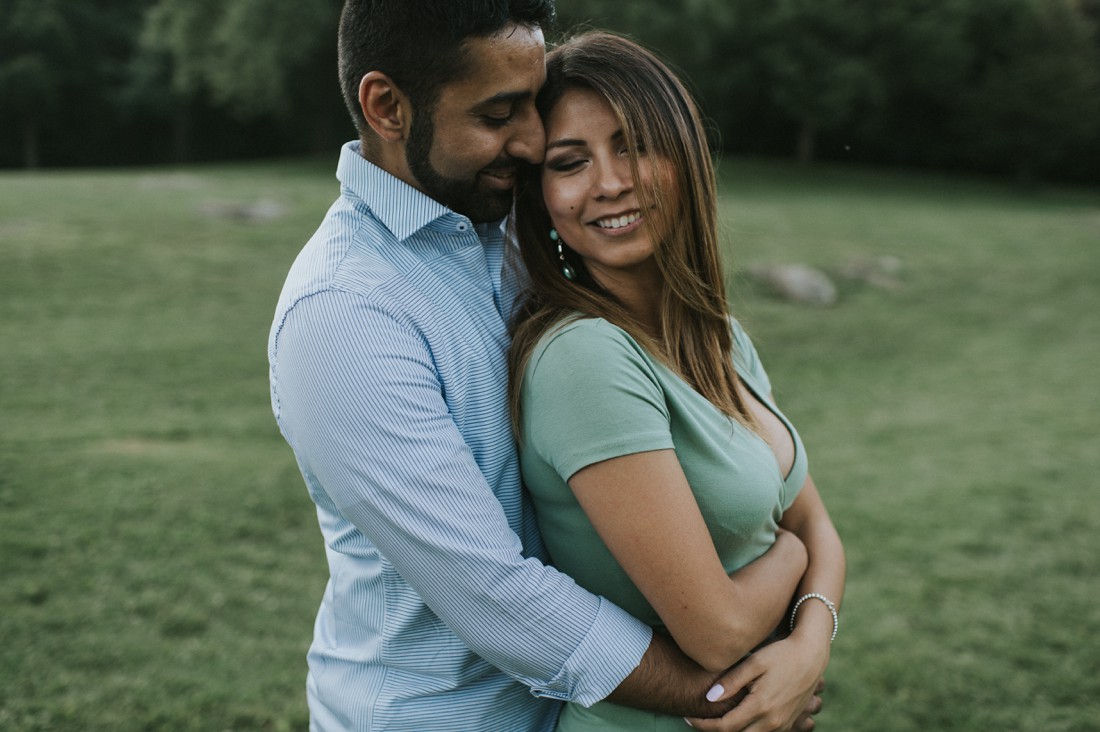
point(389, 381)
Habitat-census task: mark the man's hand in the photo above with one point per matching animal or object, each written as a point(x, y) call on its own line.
point(781, 686)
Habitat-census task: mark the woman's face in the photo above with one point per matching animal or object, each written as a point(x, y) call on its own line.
point(589, 190)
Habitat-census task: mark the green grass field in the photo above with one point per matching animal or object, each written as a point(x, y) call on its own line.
point(160, 558)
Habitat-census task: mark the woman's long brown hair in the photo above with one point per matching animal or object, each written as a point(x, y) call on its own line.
point(658, 116)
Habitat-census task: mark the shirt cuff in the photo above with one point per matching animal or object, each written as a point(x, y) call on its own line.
point(609, 652)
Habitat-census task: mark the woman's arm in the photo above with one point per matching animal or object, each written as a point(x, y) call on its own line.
point(644, 511)
point(809, 520)
point(782, 678)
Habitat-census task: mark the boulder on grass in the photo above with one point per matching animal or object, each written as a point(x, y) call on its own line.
point(797, 283)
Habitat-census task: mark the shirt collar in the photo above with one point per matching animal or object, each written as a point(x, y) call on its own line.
point(401, 208)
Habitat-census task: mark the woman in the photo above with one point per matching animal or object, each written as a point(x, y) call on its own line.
point(656, 457)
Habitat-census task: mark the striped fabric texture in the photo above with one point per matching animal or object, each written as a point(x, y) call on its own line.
point(388, 379)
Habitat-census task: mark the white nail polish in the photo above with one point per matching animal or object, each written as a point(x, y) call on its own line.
point(715, 692)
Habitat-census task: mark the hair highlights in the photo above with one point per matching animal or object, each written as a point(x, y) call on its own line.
point(658, 116)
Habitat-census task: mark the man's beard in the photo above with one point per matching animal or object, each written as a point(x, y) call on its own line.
point(461, 196)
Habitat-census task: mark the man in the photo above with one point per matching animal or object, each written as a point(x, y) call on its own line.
point(389, 380)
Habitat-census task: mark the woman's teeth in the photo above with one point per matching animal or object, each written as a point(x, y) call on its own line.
point(618, 222)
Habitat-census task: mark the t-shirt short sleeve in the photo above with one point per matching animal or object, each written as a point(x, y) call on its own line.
point(745, 356)
point(590, 393)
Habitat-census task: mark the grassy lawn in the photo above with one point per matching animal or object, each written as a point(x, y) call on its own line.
point(160, 558)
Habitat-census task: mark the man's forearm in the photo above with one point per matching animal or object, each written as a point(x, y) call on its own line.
point(668, 682)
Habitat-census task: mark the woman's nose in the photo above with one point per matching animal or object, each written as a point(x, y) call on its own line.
point(614, 177)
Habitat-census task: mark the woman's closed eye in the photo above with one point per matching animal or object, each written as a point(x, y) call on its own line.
point(566, 164)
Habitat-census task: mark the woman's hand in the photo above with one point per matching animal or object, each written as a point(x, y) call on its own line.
point(779, 682)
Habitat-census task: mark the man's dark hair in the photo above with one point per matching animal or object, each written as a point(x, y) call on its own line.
point(418, 43)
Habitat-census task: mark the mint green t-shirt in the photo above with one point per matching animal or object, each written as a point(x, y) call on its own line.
point(591, 393)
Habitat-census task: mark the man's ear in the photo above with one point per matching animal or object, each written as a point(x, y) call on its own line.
point(385, 107)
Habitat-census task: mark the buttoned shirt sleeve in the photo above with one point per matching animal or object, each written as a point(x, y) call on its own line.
point(357, 395)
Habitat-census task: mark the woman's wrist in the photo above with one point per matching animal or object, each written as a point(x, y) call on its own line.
point(814, 619)
point(812, 638)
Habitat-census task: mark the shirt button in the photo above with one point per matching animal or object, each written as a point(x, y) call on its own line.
point(462, 226)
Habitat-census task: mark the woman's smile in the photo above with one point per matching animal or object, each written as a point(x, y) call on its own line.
point(590, 191)
point(620, 223)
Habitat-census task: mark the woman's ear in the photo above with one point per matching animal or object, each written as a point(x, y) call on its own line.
point(384, 106)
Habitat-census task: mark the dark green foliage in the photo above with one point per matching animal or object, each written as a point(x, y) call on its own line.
point(1000, 86)
point(1005, 86)
point(40, 50)
point(243, 54)
point(1035, 99)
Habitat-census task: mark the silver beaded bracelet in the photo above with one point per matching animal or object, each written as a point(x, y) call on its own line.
point(828, 604)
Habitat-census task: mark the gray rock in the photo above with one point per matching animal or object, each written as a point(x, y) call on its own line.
point(882, 271)
point(797, 283)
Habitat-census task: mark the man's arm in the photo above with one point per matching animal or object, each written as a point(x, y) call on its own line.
point(359, 399)
point(668, 682)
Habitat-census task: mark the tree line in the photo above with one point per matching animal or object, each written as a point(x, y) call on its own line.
point(1006, 87)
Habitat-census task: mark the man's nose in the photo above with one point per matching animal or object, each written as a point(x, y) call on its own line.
point(528, 141)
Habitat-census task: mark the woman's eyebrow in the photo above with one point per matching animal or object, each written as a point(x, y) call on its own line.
point(565, 143)
point(572, 142)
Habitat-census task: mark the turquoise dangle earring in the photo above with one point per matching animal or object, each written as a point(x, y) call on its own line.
point(566, 268)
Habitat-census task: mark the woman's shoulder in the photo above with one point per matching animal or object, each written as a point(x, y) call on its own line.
point(589, 347)
point(587, 367)
point(580, 334)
